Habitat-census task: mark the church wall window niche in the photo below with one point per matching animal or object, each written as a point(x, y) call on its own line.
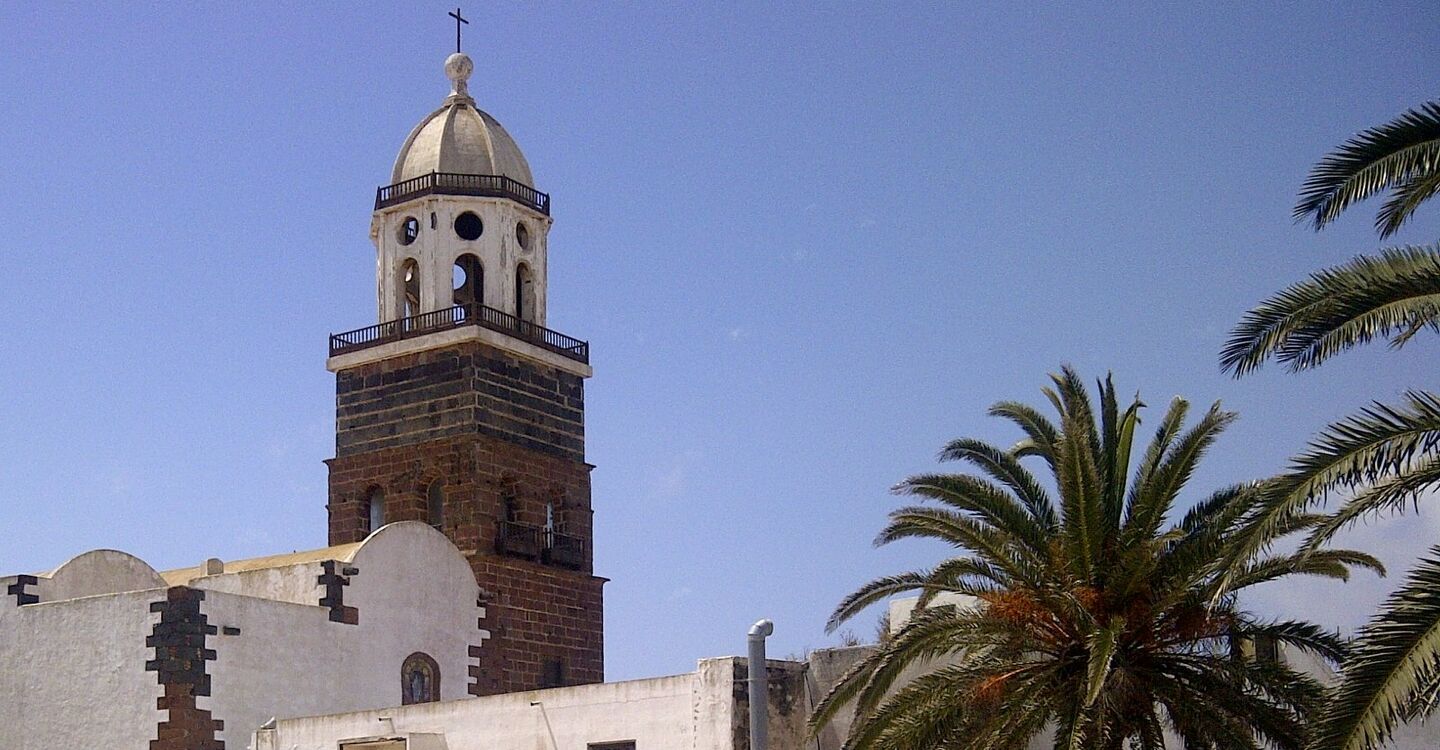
point(468, 226)
point(435, 504)
point(522, 235)
point(419, 679)
point(553, 674)
point(374, 509)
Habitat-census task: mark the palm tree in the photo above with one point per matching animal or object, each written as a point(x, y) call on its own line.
point(1384, 457)
point(1096, 618)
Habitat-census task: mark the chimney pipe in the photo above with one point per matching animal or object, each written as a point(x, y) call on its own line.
point(759, 685)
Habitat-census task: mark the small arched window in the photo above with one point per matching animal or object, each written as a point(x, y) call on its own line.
point(374, 509)
point(509, 501)
point(419, 679)
point(524, 293)
point(435, 503)
point(410, 275)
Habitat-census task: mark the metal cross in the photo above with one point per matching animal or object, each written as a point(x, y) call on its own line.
point(458, 20)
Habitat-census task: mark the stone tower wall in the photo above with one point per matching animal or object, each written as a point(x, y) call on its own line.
point(496, 429)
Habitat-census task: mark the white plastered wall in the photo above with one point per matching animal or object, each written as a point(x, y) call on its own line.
point(435, 251)
point(414, 592)
point(693, 711)
point(72, 671)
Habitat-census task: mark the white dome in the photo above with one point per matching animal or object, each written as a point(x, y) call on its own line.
point(460, 138)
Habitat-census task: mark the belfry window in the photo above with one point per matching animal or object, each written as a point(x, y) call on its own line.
point(419, 679)
point(410, 275)
point(469, 281)
point(409, 230)
point(524, 293)
point(468, 226)
point(374, 509)
point(435, 503)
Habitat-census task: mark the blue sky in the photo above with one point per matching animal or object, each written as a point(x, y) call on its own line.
point(808, 244)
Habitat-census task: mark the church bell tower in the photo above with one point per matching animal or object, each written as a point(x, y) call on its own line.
point(461, 408)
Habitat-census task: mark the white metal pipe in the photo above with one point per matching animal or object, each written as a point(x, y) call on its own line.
point(759, 685)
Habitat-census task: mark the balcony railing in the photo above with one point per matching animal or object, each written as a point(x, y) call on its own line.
point(456, 317)
point(520, 540)
point(541, 545)
point(450, 183)
point(566, 551)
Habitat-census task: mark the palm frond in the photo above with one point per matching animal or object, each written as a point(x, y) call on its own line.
point(1379, 158)
point(1395, 293)
point(1004, 467)
point(1394, 660)
point(1389, 494)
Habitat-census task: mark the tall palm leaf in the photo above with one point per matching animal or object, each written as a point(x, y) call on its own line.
point(1383, 458)
point(1394, 294)
point(1092, 618)
point(1402, 155)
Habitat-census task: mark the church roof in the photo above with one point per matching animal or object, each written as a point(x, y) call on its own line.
point(460, 138)
point(342, 552)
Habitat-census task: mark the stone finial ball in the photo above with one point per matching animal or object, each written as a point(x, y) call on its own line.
point(458, 67)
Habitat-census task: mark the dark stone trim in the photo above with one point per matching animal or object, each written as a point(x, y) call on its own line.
point(17, 590)
point(179, 663)
point(475, 672)
point(334, 598)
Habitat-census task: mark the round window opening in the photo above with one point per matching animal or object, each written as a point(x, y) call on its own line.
point(408, 231)
point(468, 226)
point(522, 235)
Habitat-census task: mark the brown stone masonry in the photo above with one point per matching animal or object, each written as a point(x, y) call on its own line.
point(468, 388)
point(180, 656)
point(505, 438)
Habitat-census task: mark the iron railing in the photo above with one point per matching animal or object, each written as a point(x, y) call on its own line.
point(566, 551)
point(520, 540)
point(450, 183)
point(455, 317)
point(540, 544)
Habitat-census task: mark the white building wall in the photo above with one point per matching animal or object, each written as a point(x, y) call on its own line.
point(74, 673)
point(692, 711)
point(74, 670)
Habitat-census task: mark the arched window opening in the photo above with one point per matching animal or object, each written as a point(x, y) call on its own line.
point(374, 509)
point(468, 280)
point(410, 275)
point(419, 679)
point(524, 294)
point(435, 503)
point(509, 502)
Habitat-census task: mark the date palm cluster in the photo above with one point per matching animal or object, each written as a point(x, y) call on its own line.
point(1075, 611)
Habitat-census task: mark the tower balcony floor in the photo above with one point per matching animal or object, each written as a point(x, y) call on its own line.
point(461, 316)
